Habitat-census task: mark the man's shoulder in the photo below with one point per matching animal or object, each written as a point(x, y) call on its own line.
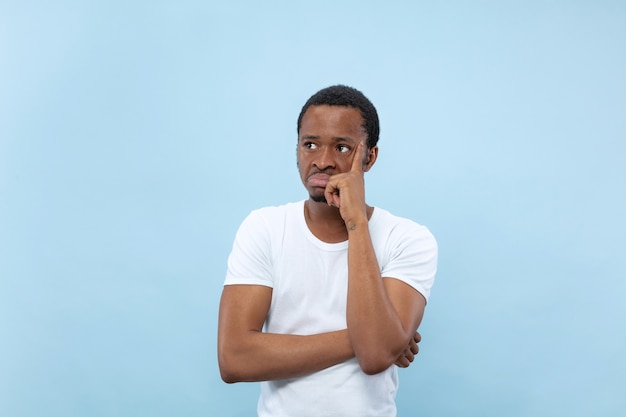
point(385, 216)
point(274, 215)
point(398, 225)
point(279, 210)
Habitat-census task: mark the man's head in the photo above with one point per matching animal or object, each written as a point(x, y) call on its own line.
point(341, 95)
point(337, 128)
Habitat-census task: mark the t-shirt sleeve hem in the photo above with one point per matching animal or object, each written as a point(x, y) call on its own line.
point(425, 292)
point(244, 281)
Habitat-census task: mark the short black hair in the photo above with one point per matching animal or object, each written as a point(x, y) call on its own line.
point(342, 95)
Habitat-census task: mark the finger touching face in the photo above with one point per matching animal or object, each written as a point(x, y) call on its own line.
point(363, 158)
point(358, 158)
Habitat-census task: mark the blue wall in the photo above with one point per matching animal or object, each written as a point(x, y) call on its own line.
point(134, 137)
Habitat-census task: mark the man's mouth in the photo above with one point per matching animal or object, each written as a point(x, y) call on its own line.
point(318, 180)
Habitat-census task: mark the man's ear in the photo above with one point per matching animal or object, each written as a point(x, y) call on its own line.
point(372, 155)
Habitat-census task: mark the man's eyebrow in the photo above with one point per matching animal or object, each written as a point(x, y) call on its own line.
point(335, 138)
point(343, 139)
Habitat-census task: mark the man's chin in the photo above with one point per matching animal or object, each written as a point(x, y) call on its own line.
point(318, 198)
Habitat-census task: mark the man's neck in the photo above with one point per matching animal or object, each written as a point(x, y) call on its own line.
point(325, 221)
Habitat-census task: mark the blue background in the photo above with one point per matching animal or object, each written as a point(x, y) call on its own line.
point(135, 136)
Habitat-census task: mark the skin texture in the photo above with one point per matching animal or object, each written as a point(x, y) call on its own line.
point(382, 314)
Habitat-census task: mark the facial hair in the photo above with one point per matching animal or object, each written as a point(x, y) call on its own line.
point(319, 198)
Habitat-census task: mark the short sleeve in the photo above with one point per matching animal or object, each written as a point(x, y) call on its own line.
point(250, 260)
point(412, 257)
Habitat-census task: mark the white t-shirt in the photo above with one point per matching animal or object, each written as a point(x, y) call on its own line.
point(274, 247)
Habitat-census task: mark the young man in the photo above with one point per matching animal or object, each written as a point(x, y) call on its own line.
point(324, 296)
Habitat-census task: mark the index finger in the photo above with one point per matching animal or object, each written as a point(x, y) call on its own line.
point(357, 159)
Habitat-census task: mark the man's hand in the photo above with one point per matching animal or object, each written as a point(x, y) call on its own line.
point(408, 355)
point(346, 191)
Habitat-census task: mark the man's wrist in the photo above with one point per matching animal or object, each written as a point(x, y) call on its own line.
point(353, 225)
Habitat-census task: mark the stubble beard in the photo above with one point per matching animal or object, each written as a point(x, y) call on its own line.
point(319, 198)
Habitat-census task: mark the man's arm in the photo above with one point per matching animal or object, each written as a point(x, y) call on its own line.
point(382, 314)
point(245, 353)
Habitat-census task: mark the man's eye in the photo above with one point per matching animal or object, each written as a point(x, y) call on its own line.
point(310, 145)
point(343, 148)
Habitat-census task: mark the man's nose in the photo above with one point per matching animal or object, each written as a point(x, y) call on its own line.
point(324, 159)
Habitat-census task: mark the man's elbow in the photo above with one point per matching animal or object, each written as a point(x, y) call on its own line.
point(375, 364)
point(228, 377)
point(228, 370)
point(377, 359)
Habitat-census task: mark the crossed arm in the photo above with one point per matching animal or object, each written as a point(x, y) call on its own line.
point(246, 353)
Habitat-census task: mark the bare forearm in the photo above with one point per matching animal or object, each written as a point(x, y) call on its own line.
point(375, 328)
point(268, 356)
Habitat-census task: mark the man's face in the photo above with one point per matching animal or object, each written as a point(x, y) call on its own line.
point(327, 140)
